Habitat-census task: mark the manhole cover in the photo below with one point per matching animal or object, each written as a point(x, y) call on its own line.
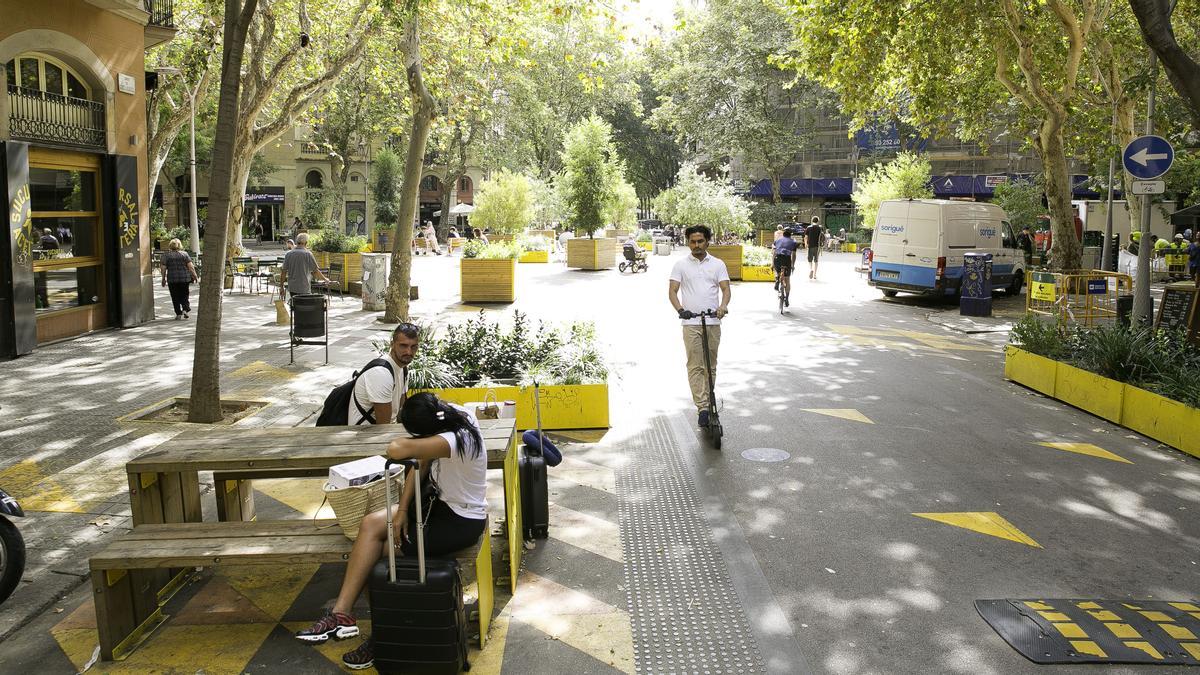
point(765, 455)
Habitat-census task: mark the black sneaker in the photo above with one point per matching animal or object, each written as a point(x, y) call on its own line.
point(787, 302)
point(361, 658)
point(333, 625)
point(702, 419)
point(776, 284)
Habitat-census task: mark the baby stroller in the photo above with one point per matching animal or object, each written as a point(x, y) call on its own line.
point(635, 259)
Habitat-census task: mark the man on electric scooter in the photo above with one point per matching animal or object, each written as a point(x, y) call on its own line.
point(700, 282)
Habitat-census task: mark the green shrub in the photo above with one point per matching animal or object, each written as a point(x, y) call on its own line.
point(1039, 336)
point(333, 240)
point(1116, 352)
point(480, 351)
point(644, 236)
point(533, 242)
point(756, 256)
point(497, 250)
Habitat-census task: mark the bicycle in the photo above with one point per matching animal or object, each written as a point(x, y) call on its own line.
point(783, 298)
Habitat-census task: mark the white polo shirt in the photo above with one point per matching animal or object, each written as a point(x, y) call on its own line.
point(700, 285)
point(377, 385)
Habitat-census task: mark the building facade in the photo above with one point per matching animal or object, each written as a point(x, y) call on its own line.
point(76, 254)
point(301, 166)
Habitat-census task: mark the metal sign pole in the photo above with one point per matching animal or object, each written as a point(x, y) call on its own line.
point(1143, 304)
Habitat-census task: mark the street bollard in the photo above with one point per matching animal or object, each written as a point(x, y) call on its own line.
point(975, 293)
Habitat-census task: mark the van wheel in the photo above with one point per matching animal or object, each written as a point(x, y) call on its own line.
point(889, 293)
point(1014, 286)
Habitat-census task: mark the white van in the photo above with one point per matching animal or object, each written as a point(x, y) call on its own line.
point(918, 246)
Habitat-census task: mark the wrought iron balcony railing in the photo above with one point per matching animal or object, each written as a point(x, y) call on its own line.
point(41, 116)
point(162, 12)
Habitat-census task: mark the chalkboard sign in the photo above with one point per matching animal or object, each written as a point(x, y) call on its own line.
point(1176, 310)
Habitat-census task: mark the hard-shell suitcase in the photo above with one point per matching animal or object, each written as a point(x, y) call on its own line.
point(535, 494)
point(418, 623)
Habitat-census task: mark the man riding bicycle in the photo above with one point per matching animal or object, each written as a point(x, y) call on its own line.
point(785, 261)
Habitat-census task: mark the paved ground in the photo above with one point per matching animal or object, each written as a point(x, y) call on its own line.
point(664, 554)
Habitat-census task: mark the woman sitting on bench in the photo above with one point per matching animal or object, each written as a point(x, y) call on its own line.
point(447, 443)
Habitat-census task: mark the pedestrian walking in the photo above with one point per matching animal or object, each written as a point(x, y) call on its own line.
point(299, 268)
point(814, 239)
point(178, 273)
point(1025, 243)
point(699, 282)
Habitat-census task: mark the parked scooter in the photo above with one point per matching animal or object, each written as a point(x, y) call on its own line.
point(12, 546)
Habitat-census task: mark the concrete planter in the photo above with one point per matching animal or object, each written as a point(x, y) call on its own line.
point(757, 273)
point(1033, 371)
point(488, 280)
point(732, 255)
point(591, 254)
point(1158, 417)
point(566, 406)
point(535, 257)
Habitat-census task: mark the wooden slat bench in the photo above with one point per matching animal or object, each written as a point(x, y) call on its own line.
point(126, 575)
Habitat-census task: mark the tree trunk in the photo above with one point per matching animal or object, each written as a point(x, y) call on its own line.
point(1065, 252)
point(1153, 17)
point(449, 180)
point(237, 195)
point(776, 192)
point(205, 404)
point(424, 108)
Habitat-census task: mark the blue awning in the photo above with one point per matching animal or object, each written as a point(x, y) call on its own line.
point(948, 185)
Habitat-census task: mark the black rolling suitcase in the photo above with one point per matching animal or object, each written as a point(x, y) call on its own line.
point(418, 623)
point(535, 495)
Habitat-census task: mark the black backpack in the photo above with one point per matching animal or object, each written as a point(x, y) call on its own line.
point(336, 410)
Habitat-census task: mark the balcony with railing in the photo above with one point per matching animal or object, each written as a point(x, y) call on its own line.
point(52, 118)
point(162, 13)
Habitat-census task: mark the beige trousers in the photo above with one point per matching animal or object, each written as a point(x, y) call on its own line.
point(693, 345)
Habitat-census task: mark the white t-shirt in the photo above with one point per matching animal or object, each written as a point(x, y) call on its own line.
point(700, 285)
point(376, 385)
point(462, 481)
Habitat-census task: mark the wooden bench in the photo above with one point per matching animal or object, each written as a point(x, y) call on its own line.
point(127, 576)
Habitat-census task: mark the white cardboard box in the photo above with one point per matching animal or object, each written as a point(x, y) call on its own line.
point(358, 472)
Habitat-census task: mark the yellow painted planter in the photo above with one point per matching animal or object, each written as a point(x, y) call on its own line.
point(591, 254)
point(488, 280)
point(351, 268)
point(757, 273)
point(381, 240)
point(646, 245)
point(566, 406)
point(1166, 421)
point(1033, 371)
point(849, 248)
point(766, 238)
point(1088, 391)
point(732, 255)
point(535, 257)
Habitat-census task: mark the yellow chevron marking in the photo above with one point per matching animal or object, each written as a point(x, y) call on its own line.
point(984, 522)
point(1087, 449)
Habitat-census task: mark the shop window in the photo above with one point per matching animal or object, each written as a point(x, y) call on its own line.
point(59, 237)
point(65, 288)
point(62, 190)
point(464, 184)
point(430, 184)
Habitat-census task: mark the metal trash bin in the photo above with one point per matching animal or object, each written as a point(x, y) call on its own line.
point(975, 292)
point(310, 319)
point(1124, 308)
point(662, 248)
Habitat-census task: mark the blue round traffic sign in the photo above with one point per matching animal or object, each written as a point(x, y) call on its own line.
point(1148, 157)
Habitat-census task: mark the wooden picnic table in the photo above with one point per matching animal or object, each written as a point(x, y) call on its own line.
point(164, 484)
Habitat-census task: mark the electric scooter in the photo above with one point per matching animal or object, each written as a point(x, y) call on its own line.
point(714, 420)
point(12, 546)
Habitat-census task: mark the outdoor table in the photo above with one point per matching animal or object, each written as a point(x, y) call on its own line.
point(164, 484)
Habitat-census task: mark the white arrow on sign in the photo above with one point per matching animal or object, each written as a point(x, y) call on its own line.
point(1144, 156)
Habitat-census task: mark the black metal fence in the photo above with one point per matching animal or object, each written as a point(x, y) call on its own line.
point(162, 12)
point(39, 116)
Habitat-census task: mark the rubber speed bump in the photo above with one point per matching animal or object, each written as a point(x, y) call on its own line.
point(1097, 631)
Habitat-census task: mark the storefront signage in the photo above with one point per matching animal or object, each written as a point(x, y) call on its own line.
point(18, 325)
point(22, 226)
point(126, 84)
point(127, 217)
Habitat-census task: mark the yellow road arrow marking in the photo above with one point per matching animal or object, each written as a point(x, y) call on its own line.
point(1087, 449)
point(984, 522)
point(841, 413)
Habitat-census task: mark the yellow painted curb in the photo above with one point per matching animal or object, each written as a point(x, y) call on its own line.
point(1031, 370)
point(757, 273)
point(566, 406)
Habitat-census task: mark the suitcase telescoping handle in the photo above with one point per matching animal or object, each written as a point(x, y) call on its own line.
point(537, 407)
point(391, 536)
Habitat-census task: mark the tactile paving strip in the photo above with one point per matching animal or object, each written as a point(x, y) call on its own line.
point(686, 615)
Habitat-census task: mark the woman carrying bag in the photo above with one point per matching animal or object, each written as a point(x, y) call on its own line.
point(447, 443)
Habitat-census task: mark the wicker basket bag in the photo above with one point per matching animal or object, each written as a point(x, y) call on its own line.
point(352, 504)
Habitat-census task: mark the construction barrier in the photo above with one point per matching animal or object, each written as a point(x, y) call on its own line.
point(1087, 297)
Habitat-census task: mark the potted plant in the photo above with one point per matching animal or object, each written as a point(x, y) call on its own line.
point(644, 240)
point(331, 245)
point(504, 206)
point(698, 200)
point(483, 354)
point(488, 272)
point(594, 192)
point(756, 264)
point(385, 188)
point(534, 248)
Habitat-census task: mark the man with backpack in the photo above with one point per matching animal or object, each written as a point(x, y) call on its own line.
point(375, 394)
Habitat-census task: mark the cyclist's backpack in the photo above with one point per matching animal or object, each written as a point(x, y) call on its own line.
point(336, 410)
